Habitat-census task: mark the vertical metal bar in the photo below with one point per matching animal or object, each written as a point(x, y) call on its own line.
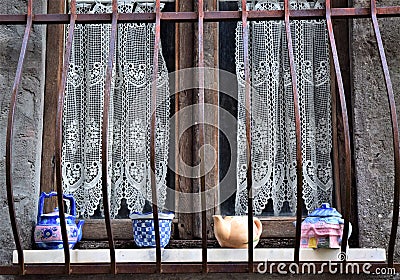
point(343, 107)
point(105, 131)
point(152, 135)
point(58, 152)
point(335, 139)
point(9, 139)
point(299, 163)
point(395, 131)
point(248, 135)
point(202, 136)
point(335, 143)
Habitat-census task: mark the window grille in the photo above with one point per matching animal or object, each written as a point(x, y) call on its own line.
point(200, 16)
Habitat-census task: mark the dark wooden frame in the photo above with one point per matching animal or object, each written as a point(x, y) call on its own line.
point(187, 226)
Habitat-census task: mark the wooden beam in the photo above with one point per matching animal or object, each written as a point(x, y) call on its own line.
point(183, 139)
point(211, 115)
point(54, 59)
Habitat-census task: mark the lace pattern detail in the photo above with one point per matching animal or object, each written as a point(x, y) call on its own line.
point(272, 111)
point(129, 122)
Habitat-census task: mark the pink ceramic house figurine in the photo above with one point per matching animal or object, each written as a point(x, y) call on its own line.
point(323, 228)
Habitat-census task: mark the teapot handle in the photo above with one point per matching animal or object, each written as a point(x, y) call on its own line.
point(258, 224)
point(44, 195)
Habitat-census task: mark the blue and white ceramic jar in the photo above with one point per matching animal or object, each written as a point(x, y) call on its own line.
point(143, 228)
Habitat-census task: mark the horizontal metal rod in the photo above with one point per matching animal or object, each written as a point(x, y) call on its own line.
point(141, 1)
point(210, 16)
point(147, 268)
point(122, 1)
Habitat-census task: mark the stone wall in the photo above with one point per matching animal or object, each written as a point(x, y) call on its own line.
point(28, 122)
point(372, 127)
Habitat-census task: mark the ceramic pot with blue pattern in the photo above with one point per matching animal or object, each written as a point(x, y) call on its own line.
point(47, 232)
point(143, 228)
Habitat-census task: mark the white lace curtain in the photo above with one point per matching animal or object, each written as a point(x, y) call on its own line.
point(129, 134)
point(272, 111)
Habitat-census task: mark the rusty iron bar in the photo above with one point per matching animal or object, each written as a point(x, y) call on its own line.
point(299, 161)
point(9, 139)
point(105, 131)
point(249, 175)
point(59, 120)
point(202, 136)
point(395, 132)
point(153, 135)
point(345, 120)
point(209, 16)
point(146, 268)
point(335, 142)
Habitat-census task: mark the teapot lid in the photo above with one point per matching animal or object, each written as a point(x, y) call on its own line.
point(325, 211)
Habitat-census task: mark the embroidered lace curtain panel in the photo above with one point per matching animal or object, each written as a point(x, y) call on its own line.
point(272, 111)
point(129, 122)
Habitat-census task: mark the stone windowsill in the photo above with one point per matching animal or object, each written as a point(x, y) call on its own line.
point(193, 255)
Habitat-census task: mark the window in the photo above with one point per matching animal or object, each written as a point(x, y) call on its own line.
point(269, 201)
point(214, 16)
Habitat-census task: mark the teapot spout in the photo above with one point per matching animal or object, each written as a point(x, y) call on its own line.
point(80, 227)
point(218, 219)
point(222, 228)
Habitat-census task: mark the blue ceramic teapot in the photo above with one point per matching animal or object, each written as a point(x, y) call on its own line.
point(47, 233)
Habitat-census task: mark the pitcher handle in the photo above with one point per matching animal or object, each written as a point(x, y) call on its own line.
point(44, 195)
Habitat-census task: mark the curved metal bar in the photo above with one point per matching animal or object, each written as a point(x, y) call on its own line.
point(59, 120)
point(299, 161)
point(249, 174)
point(9, 138)
point(335, 147)
point(202, 136)
point(105, 131)
point(395, 132)
point(153, 135)
point(339, 80)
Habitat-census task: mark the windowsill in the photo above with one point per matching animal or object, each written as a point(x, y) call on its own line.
point(193, 255)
